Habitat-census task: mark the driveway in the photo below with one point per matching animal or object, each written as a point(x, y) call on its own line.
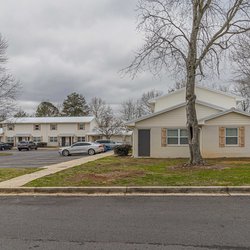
point(31, 159)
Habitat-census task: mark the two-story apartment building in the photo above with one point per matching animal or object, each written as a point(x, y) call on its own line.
point(55, 131)
point(224, 130)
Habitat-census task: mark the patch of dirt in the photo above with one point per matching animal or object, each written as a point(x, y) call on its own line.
point(106, 177)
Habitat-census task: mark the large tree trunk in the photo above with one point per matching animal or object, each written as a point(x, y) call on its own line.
point(192, 123)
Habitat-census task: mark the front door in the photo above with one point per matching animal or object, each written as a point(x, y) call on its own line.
point(144, 142)
point(63, 141)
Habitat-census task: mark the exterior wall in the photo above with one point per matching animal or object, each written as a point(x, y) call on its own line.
point(170, 101)
point(45, 132)
point(172, 119)
point(210, 144)
point(210, 137)
point(156, 150)
point(204, 95)
point(218, 99)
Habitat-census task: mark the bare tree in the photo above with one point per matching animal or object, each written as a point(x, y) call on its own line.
point(146, 97)
point(188, 36)
point(108, 124)
point(133, 109)
point(97, 108)
point(8, 86)
point(242, 87)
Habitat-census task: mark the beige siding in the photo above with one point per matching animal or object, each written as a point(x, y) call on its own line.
point(175, 117)
point(228, 119)
point(210, 143)
point(170, 101)
point(156, 150)
point(218, 99)
point(204, 95)
point(172, 119)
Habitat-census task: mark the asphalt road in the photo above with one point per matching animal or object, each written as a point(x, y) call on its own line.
point(119, 223)
point(33, 158)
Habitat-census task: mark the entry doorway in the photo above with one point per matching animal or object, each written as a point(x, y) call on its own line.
point(144, 142)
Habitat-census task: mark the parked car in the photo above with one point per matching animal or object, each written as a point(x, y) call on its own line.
point(108, 144)
point(27, 145)
point(5, 146)
point(82, 147)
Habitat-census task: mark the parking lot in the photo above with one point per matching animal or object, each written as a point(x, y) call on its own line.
point(34, 158)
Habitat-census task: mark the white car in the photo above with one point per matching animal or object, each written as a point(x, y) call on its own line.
point(82, 147)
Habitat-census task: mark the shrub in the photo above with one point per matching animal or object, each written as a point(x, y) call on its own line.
point(42, 144)
point(122, 150)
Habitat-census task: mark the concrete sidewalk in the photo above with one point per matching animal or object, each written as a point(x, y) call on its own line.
point(52, 169)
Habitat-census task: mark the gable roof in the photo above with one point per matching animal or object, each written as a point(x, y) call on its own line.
point(238, 98)
point(25, 120)
point(232, 110)
point(132, 123)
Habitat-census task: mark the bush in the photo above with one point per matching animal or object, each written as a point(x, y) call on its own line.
point(122, 150)
point(41, 144)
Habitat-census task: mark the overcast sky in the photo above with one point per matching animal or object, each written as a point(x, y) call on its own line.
point(60, 46)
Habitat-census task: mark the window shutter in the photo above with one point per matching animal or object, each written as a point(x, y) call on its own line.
point(242, 136)
point(164, 137)
point(222, 137)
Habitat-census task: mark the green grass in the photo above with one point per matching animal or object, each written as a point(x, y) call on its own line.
point(9, 173)
point(5, 154)
point(127, 171)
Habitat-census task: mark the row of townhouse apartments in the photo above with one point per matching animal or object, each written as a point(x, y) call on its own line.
point(54, 131)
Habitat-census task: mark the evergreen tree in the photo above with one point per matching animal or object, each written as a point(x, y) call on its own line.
point(75, 105)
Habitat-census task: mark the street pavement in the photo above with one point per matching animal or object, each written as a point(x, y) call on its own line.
point(34, 158)
point(119, 223)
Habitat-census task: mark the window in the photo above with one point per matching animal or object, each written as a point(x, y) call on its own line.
point(177, 137)
point(231, 136)
point(10, 126)
point(81, 126)
point(37, 127)
point(52, 139)
point(81, 139)
point(53, 127)
point(37, 139)
point(10, 139)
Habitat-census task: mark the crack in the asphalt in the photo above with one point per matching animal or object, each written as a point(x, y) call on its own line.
point(218, 247)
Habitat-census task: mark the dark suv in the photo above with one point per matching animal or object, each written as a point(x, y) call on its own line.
point(27, 145)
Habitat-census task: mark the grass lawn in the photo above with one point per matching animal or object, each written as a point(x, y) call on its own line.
point(5, 154)
point(8, 173)
point(127, 171)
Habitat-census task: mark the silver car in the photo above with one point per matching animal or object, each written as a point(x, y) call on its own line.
point(82, 147)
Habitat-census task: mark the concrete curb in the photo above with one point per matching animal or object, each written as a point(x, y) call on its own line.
point(127, 190)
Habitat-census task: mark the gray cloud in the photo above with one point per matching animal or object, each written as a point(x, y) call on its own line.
point(60, 46)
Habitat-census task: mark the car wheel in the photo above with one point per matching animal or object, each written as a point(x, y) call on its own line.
point(35, 148)
point(19, 149)
point(2, 148)
point(28, 149)
point(65, 153)
point(91, 151)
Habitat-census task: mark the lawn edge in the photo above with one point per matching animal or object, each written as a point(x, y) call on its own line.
point(130, 190)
